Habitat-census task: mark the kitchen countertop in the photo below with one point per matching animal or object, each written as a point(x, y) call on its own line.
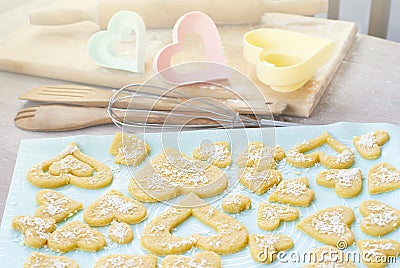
point(366, 88)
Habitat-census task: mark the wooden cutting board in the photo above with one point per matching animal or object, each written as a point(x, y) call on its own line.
point(60, 52)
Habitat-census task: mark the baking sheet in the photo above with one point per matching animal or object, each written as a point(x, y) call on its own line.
point(22, 195)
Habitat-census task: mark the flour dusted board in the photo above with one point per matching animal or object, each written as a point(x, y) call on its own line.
point(22, 194)
point(60, 52)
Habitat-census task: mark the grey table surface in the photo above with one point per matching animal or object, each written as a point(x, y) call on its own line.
point(366, 88)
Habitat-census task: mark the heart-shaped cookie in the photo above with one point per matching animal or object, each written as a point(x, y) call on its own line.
point(36, 230)
point(203, 26)
point(128, 149)
point(347, 182)
point(76, 236)
point(236, 203)
point(37, 259)
point(378, 253)
point(326, 257)
point(293, 192)
point(114, 206)
point(382, 178)
point(380, 218)
point(259, 181)
point(269, 216)
point(369, 145)
point(103, 45)
point(172, 173)
point(121, 233)
point(70, 166)
point(260, 156)
point(56, 206)
point(126, 260)
point(330, 226)
point(218, 152)
point(264, 248)
point(206, 259)
point(231, 235)
point(297, 156)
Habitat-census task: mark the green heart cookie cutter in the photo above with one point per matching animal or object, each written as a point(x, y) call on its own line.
point(103, 45)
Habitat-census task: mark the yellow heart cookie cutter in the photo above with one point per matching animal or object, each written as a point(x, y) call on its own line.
point(286, 60)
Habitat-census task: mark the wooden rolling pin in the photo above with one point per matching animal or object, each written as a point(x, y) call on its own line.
point(164, 13)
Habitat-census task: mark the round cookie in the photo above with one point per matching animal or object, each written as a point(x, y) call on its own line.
point(120, 233)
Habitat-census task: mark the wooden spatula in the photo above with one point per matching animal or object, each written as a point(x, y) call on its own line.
point(95, 97)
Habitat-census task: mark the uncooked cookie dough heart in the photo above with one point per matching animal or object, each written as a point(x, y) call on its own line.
point(231, 235)
point(297, 156)
point(328, 257)
point(259, 181)
point(293, 192)
point(37, 259)
point(330, 226)
point(114, 206)
point(126, 260)
point(378, 253)
point(264, 248)
point(76, 236)
point(36, 230)
point(205, 259)
point(70, 166)
point(260, 156)
point(380, 218)
point(56, 206)
point(369, 145)
point(171, 173)
point(383, 178)
point(128, 149)
point(219, 153)
point(347, 182)
point(269, 216)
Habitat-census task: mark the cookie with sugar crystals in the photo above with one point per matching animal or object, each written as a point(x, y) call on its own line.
point(293, 192)
point(120, 233)
point(369, 145)
point(236, 203)
point(378, 253)
point(260, 156)
point(269, 216)
point(205, 259)
point(328, 257)
point(259, 181)
point(128, 149)
point(37, 259)
point(219, 153)
point(36, 230)
point(379, 218)
point(346, 182)
point(382, 178)
point(264, 248)
point(126, 261)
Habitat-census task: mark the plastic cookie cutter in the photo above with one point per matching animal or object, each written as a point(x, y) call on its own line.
point(286, 60)
point(203, 26)
point(115, 48)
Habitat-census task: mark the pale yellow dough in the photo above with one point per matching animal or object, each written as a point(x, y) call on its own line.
point(114, 206)
point(37, 259)
point(297, 156)
point(260, 156)
point(219, 153)
point(380, 218)
point(205, 259)
point(171, 173)
point(293, 192)
point(382, 178)
point(330, 226)
point(259, 181)
point(376, 253)
point(369, 145)
point(56, 206)
point(128, 149)
point(36, 230)
point(231, 235)
point(264, 248)
point(70, 166)
point(121, 233)
point(236, 203)
point(269, 216)
point(347, 182)
point(76, 236)
point(126, 261)
point(329, 257)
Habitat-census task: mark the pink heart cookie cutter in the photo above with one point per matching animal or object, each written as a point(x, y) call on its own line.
point(215, 68)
